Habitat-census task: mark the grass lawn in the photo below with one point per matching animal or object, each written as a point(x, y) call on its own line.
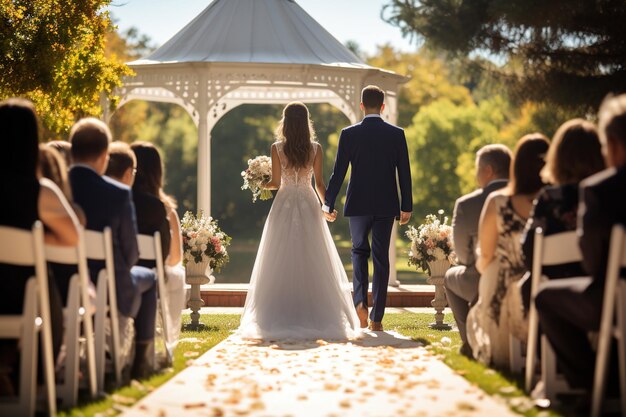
point(444, 343)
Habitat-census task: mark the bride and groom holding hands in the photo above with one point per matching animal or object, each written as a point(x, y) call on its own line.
point(299, 288)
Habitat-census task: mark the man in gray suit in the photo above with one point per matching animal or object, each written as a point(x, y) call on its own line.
point(461, 282)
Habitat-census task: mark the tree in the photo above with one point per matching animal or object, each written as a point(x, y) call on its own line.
point(52, 52)
point(569, 52)
point(429, 80)
point(443, 140)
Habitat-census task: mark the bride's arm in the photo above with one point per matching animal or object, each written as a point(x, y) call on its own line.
point(318, 171)
point(274, 183)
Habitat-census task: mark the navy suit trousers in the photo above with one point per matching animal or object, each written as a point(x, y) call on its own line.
point(360, 228)
point(145, 320)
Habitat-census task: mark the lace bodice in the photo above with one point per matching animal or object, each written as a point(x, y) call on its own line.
point(292, 177)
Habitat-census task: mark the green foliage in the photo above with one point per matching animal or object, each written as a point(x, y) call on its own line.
point(429, 80)
point(172, 130)
point(52, 52)
point(437, 137)
point(569, 52)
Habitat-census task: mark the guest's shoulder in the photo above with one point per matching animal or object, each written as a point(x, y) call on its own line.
point(498, 197)
point(48, 188)
point(116, 188)
point(474, 195)
point(608, 178)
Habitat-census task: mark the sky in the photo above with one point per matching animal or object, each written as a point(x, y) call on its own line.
point(357, 20)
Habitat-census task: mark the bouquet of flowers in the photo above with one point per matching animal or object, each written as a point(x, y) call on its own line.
point(431, 241)
point(259, 172)
point(204, 240)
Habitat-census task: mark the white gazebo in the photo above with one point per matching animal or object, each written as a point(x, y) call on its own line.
point(253, 51)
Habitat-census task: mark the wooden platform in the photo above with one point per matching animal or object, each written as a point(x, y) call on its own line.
point(234, 295)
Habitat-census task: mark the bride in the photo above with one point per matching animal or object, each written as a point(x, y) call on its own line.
point(298, 288)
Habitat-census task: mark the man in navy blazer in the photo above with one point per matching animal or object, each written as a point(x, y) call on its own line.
point(378, 156)
point(107, 202)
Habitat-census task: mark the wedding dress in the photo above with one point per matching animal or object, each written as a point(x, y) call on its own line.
point(298, 288)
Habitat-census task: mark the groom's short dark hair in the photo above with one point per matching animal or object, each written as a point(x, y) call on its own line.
point(372, 97)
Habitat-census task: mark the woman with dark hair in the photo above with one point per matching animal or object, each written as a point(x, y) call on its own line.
point(298, 288)
point(31, 199)
point(575, 154)
point(494, 316)
point(156, 211)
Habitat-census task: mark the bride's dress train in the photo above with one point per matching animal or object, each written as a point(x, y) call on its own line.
point(298, 288)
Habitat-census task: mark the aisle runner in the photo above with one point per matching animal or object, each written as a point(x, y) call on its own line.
point(384, 374)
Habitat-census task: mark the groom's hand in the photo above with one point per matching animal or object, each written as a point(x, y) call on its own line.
point(405, 216)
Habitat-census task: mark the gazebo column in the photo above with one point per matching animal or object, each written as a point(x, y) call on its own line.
point(204, 165)
point(393, 274)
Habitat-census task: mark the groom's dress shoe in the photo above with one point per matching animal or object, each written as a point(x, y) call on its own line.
point(376, 326)
point(361, 312)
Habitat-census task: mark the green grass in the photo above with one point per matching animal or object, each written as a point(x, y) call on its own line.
point(218, 327)
point(493, 382)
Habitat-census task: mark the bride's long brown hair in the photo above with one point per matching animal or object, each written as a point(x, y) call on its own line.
point(295, 129)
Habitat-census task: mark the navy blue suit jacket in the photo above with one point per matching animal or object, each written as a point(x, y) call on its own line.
point(109, 203)
point(375, 150)
point(601, 206)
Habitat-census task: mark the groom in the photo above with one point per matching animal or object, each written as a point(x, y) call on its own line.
point(379, 158)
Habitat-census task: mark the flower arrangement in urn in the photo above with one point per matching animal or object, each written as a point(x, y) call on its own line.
point(258, 173)
point(204, 241)
point(431, 241)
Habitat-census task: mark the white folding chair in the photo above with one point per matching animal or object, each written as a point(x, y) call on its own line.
point(150, 250)
point(99, 246)
point(613, 322)
point(557, 249)
point(77, 313)
point(516, 354)
point(26, 248)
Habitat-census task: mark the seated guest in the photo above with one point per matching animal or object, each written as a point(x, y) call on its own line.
point(152, 200)
point(53, 166)
point(500, 262)
point(574, 155)
point(570, 308)
point(461, 282)
point(151, 217)
point(107, 202)
point(28, 199)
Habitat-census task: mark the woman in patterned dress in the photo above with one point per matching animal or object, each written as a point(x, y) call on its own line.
point(500, 260)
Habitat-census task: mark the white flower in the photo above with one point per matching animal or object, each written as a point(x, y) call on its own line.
point(203, 247)
point(439, 254)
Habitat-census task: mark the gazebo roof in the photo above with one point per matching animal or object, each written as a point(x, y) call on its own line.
point(254, 31)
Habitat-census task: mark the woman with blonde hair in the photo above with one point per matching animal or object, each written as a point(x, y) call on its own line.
point(299, 288)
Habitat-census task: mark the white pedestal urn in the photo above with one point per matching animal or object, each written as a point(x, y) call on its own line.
point(197, 274)
point(437, 272)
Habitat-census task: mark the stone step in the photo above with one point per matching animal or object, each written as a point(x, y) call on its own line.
point(234, 295)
